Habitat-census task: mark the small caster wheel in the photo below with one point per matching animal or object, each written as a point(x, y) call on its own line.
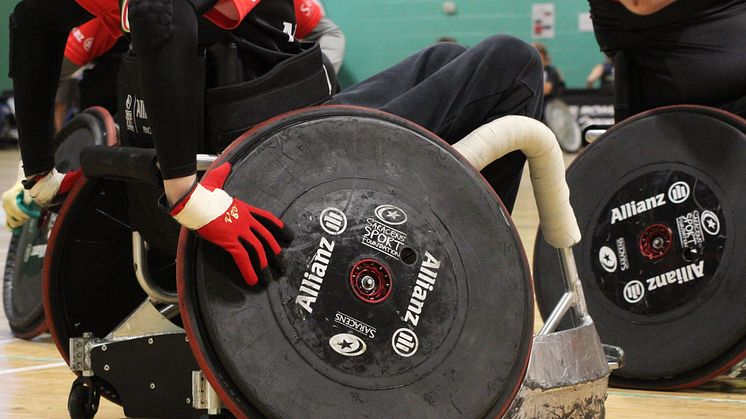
point(85, 394)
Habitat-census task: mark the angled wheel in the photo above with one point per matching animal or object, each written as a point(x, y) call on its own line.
point(661, 205)
point(406, 292)
point(560, 120)
point(82, 402)
point(22, 280)
point(23, 268)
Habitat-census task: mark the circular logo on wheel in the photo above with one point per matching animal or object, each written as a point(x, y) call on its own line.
point(678, 192)
point(710, 223)
point(674, 250)
point(634, 291)
point(333, 221)
point(391, 215)
point(607, 257)
point(347, 344)
point(405, 342)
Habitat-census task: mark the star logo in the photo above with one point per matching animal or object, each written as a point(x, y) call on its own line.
point(607, 257)
point(710, 223)
point(347, 344)
point(391, 214)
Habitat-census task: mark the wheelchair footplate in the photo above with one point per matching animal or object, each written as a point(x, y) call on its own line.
point(146, 361)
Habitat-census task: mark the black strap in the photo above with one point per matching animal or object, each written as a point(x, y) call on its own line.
point(297, 82)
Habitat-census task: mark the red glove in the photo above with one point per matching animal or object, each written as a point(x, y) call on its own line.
point(43, 189)
point(247, 233)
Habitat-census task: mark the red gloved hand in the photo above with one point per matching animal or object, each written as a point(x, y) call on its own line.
point(248, 233)
point(43, 189)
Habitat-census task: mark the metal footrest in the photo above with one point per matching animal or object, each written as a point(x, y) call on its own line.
point(568, 373)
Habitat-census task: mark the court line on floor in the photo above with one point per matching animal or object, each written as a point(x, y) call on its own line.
point(30, 358)
point(36, 367)
point(659, 396)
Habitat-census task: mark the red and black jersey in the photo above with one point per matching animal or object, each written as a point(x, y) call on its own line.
point(264, 32)
point(89, 41)
point(270, 28)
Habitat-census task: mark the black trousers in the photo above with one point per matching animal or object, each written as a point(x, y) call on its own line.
point(451, 90)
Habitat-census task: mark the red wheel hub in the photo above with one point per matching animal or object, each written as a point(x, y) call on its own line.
point(370, 281)
point(655, 241)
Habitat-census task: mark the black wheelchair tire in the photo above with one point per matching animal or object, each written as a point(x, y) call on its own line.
point(28, 323)
point(685, 345)
point(203, 302)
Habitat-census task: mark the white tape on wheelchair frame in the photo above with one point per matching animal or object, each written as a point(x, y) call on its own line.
point(546, 167)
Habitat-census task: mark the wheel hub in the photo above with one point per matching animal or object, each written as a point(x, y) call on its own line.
point(655, 241)
point(370, 281)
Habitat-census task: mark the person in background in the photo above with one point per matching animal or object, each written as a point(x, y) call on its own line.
point(447, 39)
point(554, 82)
point(603, 72)
point(323, 30)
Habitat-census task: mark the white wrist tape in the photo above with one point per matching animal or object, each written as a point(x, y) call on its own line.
point(203, 206)
point(46, 188)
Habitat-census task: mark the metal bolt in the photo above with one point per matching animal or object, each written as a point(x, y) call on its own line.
point(152, 386)
point(658, 242)
point(106, 367)
point(150, 341)
point(189, 401)
point(186, 338)
point(103, 348)
point(368, 283)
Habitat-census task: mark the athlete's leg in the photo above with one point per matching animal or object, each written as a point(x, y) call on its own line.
point(38, 32)
point(164, 38)
point(451, 91)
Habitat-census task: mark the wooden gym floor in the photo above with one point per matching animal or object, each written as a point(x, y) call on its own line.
point(35, 381)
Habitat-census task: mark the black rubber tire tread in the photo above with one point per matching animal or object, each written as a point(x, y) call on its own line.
point(690, 379)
